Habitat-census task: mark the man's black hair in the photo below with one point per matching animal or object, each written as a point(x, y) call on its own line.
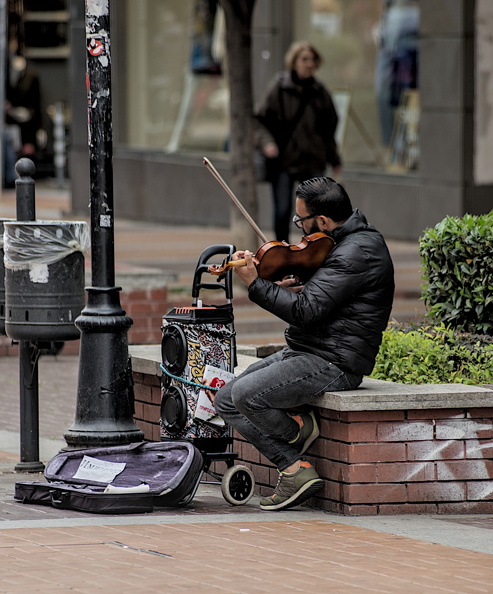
point(325, 196)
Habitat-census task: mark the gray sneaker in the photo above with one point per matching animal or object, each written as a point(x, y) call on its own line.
point(293, 489)
point(308, 433)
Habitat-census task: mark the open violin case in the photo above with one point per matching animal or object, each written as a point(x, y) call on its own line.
point(125, 479)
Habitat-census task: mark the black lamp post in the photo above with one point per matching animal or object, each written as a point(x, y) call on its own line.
point(104, 413)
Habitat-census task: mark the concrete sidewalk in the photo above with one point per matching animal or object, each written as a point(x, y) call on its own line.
point(210, 545)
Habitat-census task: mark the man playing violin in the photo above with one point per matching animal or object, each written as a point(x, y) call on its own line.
point(336, 320)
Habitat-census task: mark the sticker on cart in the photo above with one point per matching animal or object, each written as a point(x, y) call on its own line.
point(205, 410)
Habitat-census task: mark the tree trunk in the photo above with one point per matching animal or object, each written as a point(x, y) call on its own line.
point(238, 20)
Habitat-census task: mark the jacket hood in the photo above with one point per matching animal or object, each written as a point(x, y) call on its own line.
point(356, 222)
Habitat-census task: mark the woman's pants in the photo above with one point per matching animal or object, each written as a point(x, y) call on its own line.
point(282, 195)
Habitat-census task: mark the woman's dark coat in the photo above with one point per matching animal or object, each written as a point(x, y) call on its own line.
point(311, 145)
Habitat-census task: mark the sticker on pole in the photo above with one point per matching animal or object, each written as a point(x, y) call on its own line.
point(104, 220)
point(95, 47)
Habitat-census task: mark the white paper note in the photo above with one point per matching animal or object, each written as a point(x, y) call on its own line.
point(101, 471)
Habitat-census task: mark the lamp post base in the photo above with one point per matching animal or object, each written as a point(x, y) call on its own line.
point(29, 467)
point(105, 399)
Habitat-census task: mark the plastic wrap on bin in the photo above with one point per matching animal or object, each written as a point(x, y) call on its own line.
point(35, 243)
point(2, 280)
point(44, 278)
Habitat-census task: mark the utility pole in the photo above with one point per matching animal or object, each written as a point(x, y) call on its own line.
point(104, 412)
point(3, 56)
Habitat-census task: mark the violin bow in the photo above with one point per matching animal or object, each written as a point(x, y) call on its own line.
point(228, 190)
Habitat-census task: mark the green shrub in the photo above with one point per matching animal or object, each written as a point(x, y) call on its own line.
point(434, 355)
point(457, 261)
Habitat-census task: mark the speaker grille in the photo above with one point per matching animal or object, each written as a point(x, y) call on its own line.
point(174, 410)
point(174, 349)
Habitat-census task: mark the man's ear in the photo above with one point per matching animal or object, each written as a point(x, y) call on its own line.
point(326, 223)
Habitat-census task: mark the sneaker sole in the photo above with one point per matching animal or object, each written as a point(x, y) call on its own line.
point(304, 493)
point(313, 435)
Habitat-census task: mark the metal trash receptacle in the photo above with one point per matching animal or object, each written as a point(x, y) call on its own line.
point(44, 278)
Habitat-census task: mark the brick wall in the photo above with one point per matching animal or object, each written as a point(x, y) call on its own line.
point(147, 393)
point(7, 349)
point(11, 349)
point(146, 308)
point(411, 461)
point(397, 462)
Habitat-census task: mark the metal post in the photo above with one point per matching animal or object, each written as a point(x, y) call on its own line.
point(59, 144)
point(28, 351)
point(104, 413)
point(3, 52)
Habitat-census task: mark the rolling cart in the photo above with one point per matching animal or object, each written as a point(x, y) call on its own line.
point(196, 340)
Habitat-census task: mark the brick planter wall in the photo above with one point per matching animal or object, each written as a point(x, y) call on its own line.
point(147, 392)
point(397, 462)
point(146, 307)
point(384, 448)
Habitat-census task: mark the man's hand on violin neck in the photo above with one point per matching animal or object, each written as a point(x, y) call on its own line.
point(247, 273)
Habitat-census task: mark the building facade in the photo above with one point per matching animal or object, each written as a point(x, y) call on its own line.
point(170, 106)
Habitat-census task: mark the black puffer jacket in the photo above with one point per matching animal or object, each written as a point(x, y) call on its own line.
point(343, 309)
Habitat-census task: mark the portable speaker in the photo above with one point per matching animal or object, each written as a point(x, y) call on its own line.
point(192, 338)
point(174, 410)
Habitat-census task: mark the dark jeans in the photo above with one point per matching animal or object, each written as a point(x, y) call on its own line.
point(282, 195)
point(256, 402)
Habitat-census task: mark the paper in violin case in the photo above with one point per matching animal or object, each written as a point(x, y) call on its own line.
point(126, 479)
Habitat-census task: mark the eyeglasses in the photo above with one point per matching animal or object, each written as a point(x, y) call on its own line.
point(298, 220)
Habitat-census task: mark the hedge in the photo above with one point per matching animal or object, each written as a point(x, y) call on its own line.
point(428, 354)
point(457, 261)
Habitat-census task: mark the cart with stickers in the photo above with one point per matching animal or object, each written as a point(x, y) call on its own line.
point(199, 342)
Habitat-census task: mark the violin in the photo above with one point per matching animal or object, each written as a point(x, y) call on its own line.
point(276, 259)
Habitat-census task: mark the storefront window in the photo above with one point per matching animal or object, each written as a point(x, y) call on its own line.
point(176, 84)
point(177, 96)
point(370, 52)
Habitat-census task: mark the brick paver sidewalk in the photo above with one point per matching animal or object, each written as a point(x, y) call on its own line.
point(211, 546)
point(230, 557)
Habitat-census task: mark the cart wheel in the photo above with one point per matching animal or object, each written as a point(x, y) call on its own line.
point(237, 485)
